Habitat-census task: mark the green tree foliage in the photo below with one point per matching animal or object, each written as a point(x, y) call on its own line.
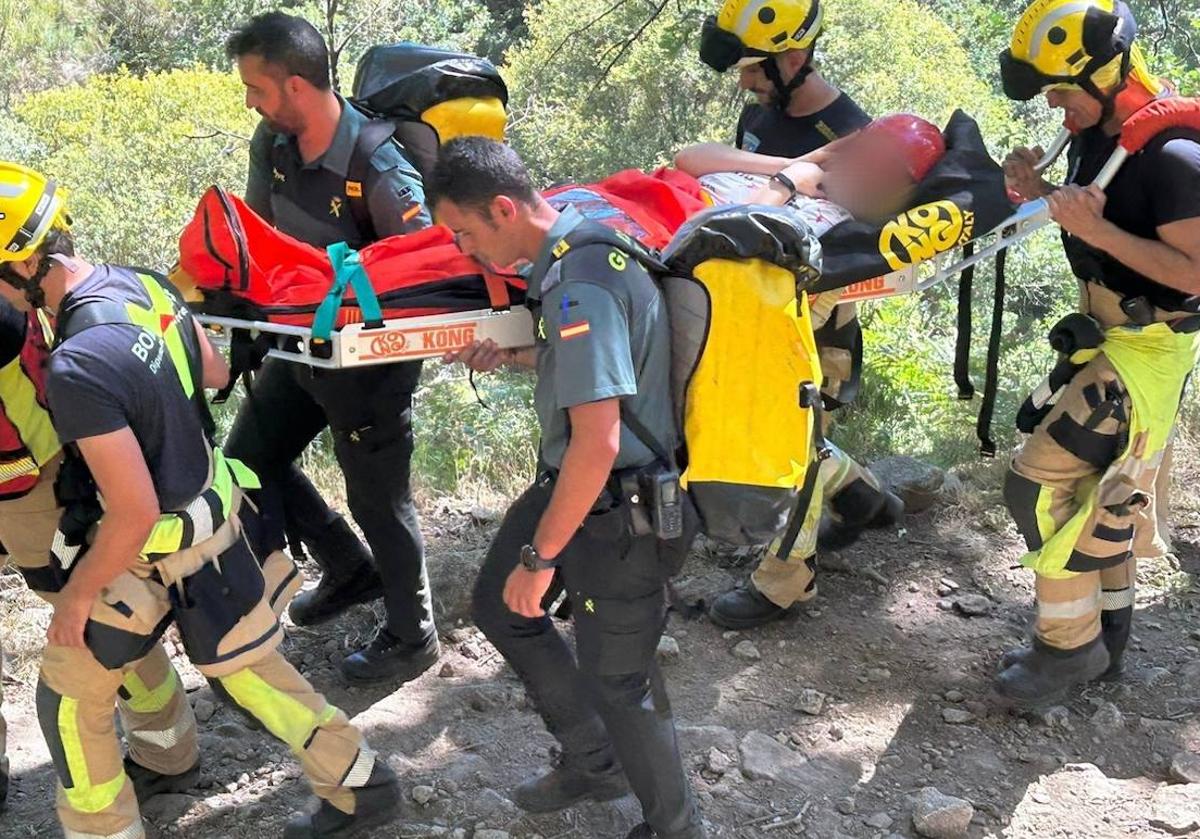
point(136, 154)
point(600, 86)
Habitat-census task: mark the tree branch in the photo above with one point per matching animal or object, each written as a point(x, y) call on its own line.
point(629, 42)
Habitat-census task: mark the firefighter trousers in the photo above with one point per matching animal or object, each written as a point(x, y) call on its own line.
point(217, 595)
point(845, 487)
point(1076, 442)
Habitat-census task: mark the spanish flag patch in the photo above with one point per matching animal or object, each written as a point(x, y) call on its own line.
point(574, 330)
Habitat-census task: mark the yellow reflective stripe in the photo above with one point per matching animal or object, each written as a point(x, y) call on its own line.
point(19, 396)
point(243, 475)
point(1045, 521)
point(17, 469)
point(83, 796)
point(143, 700)
point(287, 718)
point(167, 535)
point(150, 319)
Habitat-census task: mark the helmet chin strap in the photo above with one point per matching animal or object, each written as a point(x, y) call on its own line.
point(31, 286)
point(784, 90)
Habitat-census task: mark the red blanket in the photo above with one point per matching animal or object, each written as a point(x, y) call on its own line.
point(246, 268)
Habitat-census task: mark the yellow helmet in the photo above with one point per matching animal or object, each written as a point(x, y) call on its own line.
point(31, 205)
point(746, 31)
point(1069, 42)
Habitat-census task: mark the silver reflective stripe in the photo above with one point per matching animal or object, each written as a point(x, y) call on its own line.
point(134, 831)
point(1050, 21)
point(167, 737)
point(360, 772)
point(202, 521)
point(1081, 608)
point(1043, 395)
point(1121, 598)
point(64, 553)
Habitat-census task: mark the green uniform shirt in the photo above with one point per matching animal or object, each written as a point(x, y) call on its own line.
point(309, 201)
point(601, 334)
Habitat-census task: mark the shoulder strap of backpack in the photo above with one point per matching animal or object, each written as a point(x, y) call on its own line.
point(593, 233)
point(372, 135)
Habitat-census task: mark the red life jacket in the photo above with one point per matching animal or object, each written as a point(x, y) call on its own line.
point(27, 437)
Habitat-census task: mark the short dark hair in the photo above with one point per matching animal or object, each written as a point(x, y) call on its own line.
point(285, 41)
point(473, 171)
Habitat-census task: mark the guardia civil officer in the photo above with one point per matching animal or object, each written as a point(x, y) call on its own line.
point(771, 44)
point(1083, 486)
point(156, 530)
point(321, 171)
point(601, 351)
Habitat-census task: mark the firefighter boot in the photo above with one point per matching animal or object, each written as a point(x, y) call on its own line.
point(1046, 674)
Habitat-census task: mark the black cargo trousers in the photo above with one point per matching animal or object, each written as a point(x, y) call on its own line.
point(611, 698)
point(369, 412)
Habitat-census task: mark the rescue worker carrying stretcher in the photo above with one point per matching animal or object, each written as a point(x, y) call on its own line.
point(323, 172)
point(157, 529)
point(1081, 487)
point(29, 518)
point(771, 45)
point(602, 354)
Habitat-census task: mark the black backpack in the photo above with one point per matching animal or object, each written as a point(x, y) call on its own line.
point(396, 85)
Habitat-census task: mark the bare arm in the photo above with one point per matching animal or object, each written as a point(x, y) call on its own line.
point(214, 366)
point(486, 357)
point(707, 158)
point(587, 463)
point(131, 511)
point(1174, 261)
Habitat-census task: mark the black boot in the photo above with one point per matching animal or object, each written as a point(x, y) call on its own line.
point(147, 783)
point(840, 531)
point(745, 608)
point(347, 578)
point(374, 804)
point(1114, 626)
point(566, 784)
point(1045, 675)
point(387, 659)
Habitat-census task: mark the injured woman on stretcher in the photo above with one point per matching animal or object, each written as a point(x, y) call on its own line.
point(895, 193)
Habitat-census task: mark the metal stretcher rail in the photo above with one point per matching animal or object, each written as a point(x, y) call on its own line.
point(399, 339)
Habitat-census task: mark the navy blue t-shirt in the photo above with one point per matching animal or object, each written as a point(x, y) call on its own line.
point(115, 376)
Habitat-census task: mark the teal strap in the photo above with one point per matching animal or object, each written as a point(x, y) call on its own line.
point(347, 271)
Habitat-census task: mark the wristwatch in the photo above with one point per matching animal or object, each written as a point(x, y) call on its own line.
point(532, 562)
point(785, 182)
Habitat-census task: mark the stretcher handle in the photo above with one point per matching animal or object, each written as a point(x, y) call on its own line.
point(1054, 152)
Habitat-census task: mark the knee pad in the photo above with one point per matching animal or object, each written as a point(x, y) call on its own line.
point(857, 503)
point(1021, 496)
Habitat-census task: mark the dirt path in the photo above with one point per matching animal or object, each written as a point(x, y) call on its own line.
point(893, 678)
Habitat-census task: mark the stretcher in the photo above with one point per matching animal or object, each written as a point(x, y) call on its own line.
point(964, 193)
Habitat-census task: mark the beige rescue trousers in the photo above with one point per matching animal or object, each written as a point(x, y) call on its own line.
point(144, 698)
point(1060, 462)
point(217, 594)
point(792, 579)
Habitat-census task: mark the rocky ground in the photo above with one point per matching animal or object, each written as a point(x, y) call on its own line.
point(867, 715)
